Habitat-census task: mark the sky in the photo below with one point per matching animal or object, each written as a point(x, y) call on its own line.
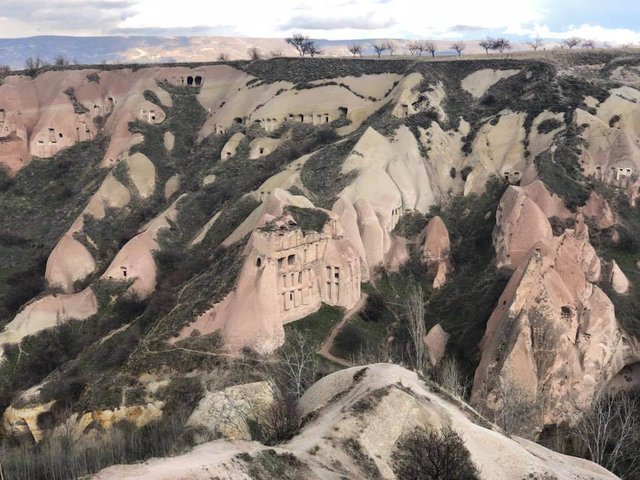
point(613, 21)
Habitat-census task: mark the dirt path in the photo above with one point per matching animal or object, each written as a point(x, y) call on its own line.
point(325, 348)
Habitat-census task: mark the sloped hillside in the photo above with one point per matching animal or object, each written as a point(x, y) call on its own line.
point(167, 233)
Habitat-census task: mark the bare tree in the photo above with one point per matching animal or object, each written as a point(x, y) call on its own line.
point(536, 43)
point(32, 65)
point(281, 420)
point(449, 376)
point(488, 44)
point(296, 367)
point(458, 47)
point(297, 41)
point(502, 44)
point(60, 61)
point(379, 47)
point(311, 48)
point(223, 57)
point(588, 44)
point(355, 49)
point(431, 48)
point(254, 53)
point(609, 430)
point(417, 47)
point(5, 70)
point(572, 42)
point(391, 46)
point(516, 413)
point(414, 306)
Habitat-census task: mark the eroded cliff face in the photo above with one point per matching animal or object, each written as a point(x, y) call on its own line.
point(554, 336)
point(237, 199)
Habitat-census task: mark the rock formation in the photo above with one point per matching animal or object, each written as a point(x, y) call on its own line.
point(356, 417)
point(550, 315)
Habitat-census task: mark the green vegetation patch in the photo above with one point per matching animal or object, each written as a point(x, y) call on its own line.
point(38, 206)
point(317, 326)
point(560, 169)
point(308, 219)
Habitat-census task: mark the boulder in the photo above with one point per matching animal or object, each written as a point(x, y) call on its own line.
point(436, 342)
point(227, 412)
point(619, 280)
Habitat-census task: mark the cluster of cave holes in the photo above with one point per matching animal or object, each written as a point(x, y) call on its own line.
point(193, 81)
point(566, 312)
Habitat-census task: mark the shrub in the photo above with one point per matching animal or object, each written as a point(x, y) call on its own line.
point(614, 120)
point(280, 421)
point(93, 77)
point(549, 125)
point(309, 219)
point(374, 308)
point(427, 454)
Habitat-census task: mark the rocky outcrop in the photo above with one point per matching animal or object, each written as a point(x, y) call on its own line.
point(598, 209)
point(520, 224)
point(48, 312)
point(619, 280)
point(356, 417)
point(436, 250)
point(436, 343)
point(286, 275)
point(554, 335)
point(227, 412)
point(22, 423)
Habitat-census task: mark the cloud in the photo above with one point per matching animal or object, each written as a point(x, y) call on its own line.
point(196, 31)
point(598, 33)
point(60, 16)
point(468, 28)
point(364, 22)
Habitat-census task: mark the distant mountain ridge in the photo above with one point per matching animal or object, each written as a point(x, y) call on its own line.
point(110, 49)
point(159, 49)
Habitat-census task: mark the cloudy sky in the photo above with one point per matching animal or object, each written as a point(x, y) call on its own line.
point(614, 21)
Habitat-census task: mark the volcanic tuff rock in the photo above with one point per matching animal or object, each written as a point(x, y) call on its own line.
point(554, 334)
point(356, 416)
point(201, 163)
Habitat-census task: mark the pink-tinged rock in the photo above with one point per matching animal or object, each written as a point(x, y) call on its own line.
point(436, 343)
point(598, 209)
point(619, 280)
point(520, 224)
point(371, 232)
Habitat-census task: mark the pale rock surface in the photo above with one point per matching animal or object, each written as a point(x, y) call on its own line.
point(397, 255)
point(520, 224)
point(619, 280)
point(599, 210)
point(554, 334)
point(226, 412)
point(262, 146)
point(169, 141)
point(499, 150)
point(231, 147)
point(21, 422)
point(138, 415)
point(142, 173)
point(407, 403)
point(171, 186)
point(69, 262)
point(480, 81)
point(286, 275)
point(436, 250)
point(436, 342)
point(48, 312)
point(135, 259)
